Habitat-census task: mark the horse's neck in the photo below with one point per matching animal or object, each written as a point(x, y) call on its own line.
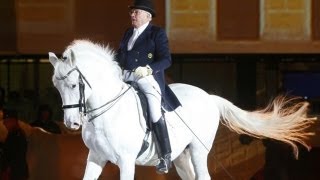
point(105, 92)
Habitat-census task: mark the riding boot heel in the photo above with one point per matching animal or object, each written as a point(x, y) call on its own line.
point(164, 165)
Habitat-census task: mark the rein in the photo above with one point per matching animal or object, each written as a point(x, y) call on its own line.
point(114, 101)
point(82, 104)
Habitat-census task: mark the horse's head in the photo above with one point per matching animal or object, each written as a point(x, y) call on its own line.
point(83, 61)
point(73, 87)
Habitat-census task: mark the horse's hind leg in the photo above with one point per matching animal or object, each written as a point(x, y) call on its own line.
point(199, 158)
point(184, 165)
point(94, 167)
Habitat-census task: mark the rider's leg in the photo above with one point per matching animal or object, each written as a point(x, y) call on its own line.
point(153, 93)
point(161, 132)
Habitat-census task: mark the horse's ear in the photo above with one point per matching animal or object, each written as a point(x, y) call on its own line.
point(73, 56)
point(71, 59)
point(53, 59)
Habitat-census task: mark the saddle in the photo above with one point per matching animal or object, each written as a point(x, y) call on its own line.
point(143, 102)
point(146, 115)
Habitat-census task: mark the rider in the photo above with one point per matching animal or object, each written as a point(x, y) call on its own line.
point(144, 55)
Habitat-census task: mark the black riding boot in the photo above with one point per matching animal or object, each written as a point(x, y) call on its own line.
point(161, 132)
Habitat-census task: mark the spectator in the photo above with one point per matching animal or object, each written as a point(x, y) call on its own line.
point(14, 149)
point(44, 120)
point(2, 160)
point(3, 130)
point(2, 96)
point(1, 113)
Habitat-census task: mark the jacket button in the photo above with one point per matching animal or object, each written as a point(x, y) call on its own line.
point(136, 60)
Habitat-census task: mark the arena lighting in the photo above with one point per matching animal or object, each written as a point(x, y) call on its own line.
point(44, 61)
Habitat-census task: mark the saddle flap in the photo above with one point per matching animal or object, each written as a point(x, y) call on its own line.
point(143, 101)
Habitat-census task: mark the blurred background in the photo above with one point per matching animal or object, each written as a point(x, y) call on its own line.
point(246, 51)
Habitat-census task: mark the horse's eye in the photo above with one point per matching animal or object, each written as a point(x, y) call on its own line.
point(73, 86)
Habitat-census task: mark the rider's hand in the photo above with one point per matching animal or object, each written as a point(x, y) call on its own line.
point(143, 71)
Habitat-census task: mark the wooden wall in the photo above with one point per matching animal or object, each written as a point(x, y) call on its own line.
point(316, 20)
point(7, 27)
point(216, 26)
point(231, 26)
point(234, 23)
point(39, 26)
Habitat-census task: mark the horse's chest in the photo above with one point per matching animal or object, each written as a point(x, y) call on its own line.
point(96, 139)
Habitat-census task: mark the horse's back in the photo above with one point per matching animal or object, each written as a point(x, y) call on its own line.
point(195, 99)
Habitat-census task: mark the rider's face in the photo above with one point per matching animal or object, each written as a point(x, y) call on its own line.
point(139, 17)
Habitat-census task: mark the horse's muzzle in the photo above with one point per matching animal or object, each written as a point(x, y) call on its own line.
point(72, 125)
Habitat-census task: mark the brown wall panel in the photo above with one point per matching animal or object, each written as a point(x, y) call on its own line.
point(107, 20)
point(238, 20)
point(49, 13)
point(315, 19)
point(101, 21)
point(7, 26)
point(51, 25)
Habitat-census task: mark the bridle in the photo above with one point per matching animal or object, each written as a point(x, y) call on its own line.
point(82, 104)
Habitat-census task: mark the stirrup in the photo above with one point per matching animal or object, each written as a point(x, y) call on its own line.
point(163, 166)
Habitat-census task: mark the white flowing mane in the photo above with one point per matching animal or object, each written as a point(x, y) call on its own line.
point(86, 51)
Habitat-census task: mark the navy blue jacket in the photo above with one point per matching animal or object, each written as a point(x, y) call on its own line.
point(151, 48)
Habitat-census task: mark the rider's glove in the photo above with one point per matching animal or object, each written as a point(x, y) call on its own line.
point(143, 71)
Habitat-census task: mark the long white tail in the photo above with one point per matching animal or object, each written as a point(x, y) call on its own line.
point(282, 120)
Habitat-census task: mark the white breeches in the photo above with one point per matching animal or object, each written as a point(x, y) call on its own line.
point(151, 89)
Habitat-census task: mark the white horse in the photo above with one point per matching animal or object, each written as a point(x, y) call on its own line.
point(95, 97)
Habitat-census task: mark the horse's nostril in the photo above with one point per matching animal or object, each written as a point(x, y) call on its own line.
point(68, 124)
point(76, 124)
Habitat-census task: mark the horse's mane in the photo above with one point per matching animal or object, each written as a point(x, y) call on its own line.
point(95, 48)
point(86, 50)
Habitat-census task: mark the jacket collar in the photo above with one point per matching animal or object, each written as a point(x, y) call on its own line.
point(142, 35)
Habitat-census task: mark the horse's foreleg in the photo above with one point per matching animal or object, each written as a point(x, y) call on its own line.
point(127, 168)
point(93, 171)
point(94, 167)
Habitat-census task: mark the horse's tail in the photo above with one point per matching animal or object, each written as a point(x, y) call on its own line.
point(282, 120)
